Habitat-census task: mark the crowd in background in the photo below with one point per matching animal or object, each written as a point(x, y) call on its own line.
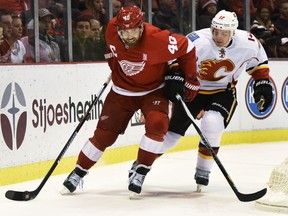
point(268, 19)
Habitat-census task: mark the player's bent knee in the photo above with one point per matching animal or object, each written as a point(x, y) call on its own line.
point(213, 122)
point(212, 126)
point(103, 138)
point(156, 125)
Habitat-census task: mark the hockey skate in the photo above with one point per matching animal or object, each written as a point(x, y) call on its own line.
point(202, 178)
point(132, 170)
point(137, 178)
point(74, 179)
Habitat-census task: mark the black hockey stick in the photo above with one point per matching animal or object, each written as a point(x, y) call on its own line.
point(30, 195)
point(242, 197)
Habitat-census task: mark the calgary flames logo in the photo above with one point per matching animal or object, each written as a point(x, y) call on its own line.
point(214, 70)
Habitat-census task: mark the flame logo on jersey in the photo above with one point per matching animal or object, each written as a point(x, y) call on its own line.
point(209, 69)
point(131, 68)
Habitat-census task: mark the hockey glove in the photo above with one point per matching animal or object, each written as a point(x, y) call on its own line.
point(192, 87)
point(174, 83)
point(263, 94)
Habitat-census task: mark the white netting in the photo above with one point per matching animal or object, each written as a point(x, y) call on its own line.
point(278, 181)
point(276, 199)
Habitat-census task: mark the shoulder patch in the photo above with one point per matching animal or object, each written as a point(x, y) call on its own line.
point(192, 36)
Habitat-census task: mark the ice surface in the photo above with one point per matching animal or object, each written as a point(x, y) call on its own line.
point(169, 188)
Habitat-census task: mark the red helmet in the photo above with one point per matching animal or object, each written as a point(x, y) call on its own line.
point(129, 17)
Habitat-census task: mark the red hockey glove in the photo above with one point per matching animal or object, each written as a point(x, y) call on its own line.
point(191, 88)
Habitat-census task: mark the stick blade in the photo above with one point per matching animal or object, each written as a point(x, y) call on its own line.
point(20, 195)
point(251, 197)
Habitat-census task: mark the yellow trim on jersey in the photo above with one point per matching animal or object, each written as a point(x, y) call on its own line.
point(209, 92)
point(231, 111)
point(257, 68)
point(17, 174)
point(205, 156)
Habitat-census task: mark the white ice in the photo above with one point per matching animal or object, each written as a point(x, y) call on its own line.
point(169, 189)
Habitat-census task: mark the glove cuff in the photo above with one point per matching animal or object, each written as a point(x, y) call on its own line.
point(262, 82)
point(191, 86)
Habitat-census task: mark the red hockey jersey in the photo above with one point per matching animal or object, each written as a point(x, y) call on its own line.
point(141, 69)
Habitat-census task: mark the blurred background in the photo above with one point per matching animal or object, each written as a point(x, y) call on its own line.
point(73, 31)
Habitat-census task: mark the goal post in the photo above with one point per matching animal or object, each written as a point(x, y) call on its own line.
point(276, 199)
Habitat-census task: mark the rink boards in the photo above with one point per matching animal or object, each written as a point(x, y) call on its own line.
point(41, 105)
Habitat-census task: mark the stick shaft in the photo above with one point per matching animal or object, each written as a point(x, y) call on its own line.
point(29, 195)
point(241, 197)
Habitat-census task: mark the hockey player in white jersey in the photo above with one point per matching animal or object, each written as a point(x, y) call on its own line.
point(223, 53)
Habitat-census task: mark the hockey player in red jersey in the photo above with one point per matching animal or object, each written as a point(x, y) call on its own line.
point(138, 57)
point(223, 53)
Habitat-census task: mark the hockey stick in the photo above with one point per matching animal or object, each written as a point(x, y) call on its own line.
point(30, 195)
point(242, 197)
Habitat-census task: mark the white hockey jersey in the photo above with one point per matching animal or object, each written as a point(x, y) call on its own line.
point(216, 67)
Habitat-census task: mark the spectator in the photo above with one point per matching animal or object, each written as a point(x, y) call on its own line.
point(96, 7)
point(273, 6)
point(282, 22)
point(263, 28)
point(6, 24)
point(17, 27)
point(116, 4)
point(85, 48)
point(166, 17)
point(82, 40)
point(57, 31)
point(96, 28)
point(98, 36)
point(28, 42)
point(15, 6)
point(57, 28)
point(209, 10)
point(17, 47)
point(46, 52)
point(12, 49)
point(45, 23)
